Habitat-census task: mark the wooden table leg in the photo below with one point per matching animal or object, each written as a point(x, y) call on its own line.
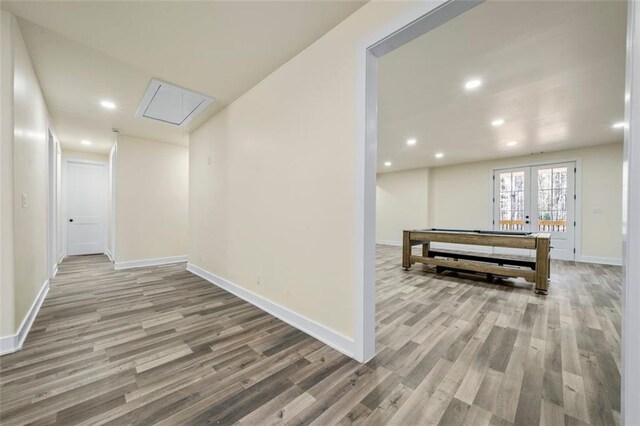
point(425, 249)
point(406, 250)
point(543, 265)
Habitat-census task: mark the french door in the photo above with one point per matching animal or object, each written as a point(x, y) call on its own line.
point(538, 199)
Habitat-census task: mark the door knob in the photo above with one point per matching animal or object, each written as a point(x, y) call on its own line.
point(70, 220)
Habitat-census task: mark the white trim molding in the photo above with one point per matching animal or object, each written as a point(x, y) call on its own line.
point(419, 19)
point(631, 227)
point(14, 342)
point(600, 260)
point(109, 255)
point(149, 262)
point(326, 335)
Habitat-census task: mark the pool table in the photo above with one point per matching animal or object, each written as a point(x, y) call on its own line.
point(536, 270)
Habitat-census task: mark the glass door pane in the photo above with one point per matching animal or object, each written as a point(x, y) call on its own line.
point(553, 188)
point(512, 204)
point(512, 200)
point(552, 199)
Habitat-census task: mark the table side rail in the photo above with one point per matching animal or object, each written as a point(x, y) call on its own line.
point(510, 241)
point(528, 275)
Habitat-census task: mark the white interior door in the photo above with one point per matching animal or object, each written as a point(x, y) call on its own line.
point(537, 199)
point(86, 207)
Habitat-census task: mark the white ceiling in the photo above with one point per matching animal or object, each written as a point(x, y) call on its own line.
point(87, 51)
point(554, 71)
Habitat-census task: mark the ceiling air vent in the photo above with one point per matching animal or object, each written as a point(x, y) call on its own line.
point(171, 104)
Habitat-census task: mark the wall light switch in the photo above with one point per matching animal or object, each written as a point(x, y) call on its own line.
point(24, 200)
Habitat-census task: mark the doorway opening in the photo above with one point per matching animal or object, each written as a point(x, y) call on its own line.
point(547, 202)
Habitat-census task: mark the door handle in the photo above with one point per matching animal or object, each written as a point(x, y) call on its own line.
point(70, 220)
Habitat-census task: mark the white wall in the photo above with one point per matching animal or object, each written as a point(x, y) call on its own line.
point(111, 202)
point(30, 178)
point(459, 196)
point(278, 199)
point(25, 127)
point(402, 200)
point(7, 297)
point(152, 191)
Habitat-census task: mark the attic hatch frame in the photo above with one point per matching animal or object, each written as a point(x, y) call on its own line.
point(150, 96)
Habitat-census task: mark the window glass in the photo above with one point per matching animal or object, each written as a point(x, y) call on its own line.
point(552, 199)
point(512, 201)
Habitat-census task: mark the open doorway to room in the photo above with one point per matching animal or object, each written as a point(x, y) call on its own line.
point(500, 170)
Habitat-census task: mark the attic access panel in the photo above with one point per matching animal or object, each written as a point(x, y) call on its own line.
point(171, 104)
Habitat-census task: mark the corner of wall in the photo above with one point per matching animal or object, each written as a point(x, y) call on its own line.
point(7, 291)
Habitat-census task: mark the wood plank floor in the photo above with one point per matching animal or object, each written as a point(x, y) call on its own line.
point(160, 345)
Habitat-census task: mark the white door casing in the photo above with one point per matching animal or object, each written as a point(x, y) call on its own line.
point(86, 204)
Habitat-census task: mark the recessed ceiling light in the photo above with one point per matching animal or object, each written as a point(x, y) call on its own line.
point(411, 142)
point(85, 142)
point(439, 154)
point(108, 104)
point(512, 143)
point(387, 163)
point(619, 125)
point(473, 84)
point(497, 122)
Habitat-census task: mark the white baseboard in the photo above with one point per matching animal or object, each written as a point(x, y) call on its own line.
point(149, 262)
point(13, 343)
point(600, 260)
point(330, 337)
point(109, 255)
point(389, 243)
point(55, 270)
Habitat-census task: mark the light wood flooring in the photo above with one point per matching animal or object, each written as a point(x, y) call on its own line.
point(159, 345)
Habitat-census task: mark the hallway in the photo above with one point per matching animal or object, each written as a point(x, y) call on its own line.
point(158, 343)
